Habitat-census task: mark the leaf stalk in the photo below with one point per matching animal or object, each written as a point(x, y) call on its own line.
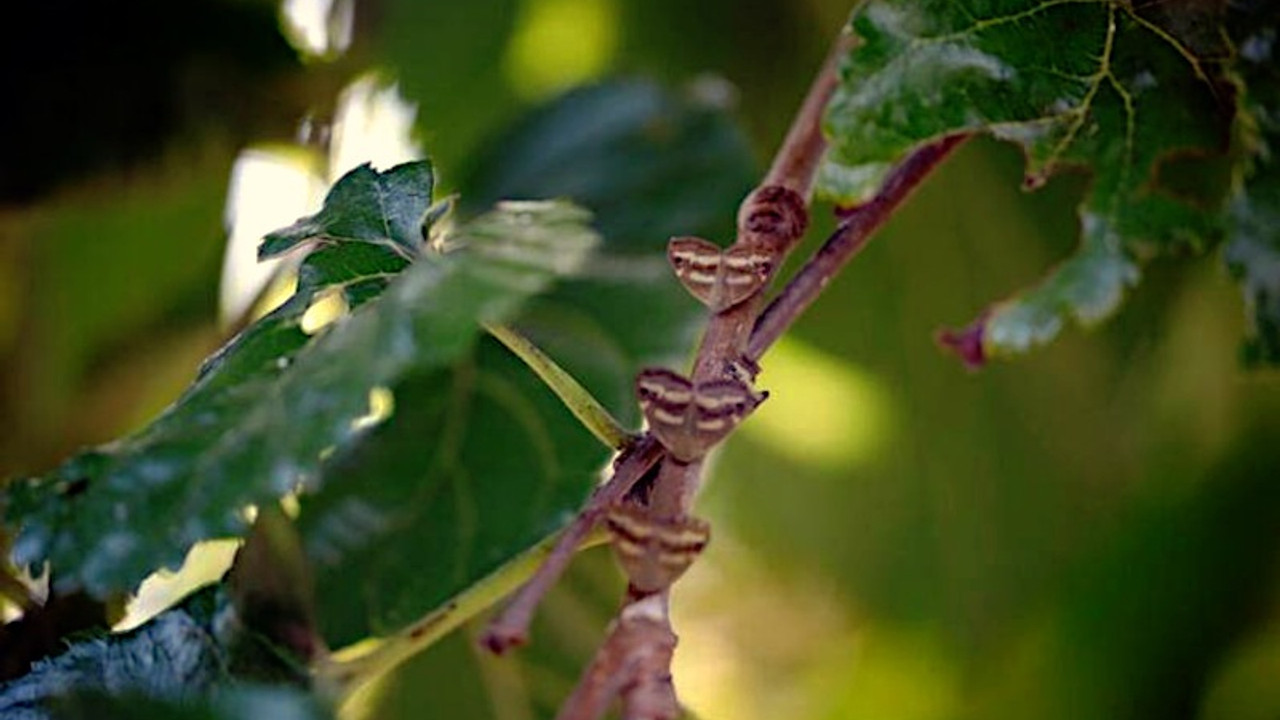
point(584, 406)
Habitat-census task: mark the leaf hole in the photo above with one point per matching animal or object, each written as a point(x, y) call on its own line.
point(290, 505)
point(324, 310)
point(75, 487)
point(382, 403)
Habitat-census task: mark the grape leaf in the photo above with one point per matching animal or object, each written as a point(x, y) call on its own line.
point(1122, 89)
point(187, 662)
point(365, 206)
point(262, 413)
point(239, 702)
point(481, 462)
point(1253, 215)
point(169, 658)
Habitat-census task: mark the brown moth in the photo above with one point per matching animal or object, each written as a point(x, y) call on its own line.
point(690, 419)
point(719, 278)
point(655, 552)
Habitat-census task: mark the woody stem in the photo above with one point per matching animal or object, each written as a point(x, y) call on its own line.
point(634, 659)
point(849, 237)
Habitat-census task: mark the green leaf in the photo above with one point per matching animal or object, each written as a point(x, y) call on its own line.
point(243, 702)
point(266, 409)
point(1135, 94)
point(481, 461)
point(175, 655)
point(365, 206)
point(193, 660)
point(650, 164)
point(477, 464)
point(1253, 254)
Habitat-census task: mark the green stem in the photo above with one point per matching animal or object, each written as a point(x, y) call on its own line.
point(339, 676)
point(578, 399)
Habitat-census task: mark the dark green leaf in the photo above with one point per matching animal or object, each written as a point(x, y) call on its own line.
point(1114, 87)
point(174, 656)
point(650, 165)
point(263, 412)
point(193, 660)
point(480, 462)
point(246, 702)
point(365, 206)
point(1254, 212)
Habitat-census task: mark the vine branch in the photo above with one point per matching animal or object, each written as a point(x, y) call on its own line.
point(850, 236)
point(633, 663)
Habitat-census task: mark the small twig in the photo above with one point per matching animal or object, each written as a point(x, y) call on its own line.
point(511, 627)
point(849, 237)
point(774, 216)
point(576, 398)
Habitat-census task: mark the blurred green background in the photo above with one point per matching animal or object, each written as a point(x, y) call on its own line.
point(1090, 532)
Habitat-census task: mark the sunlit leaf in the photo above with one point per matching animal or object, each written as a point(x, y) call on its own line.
point(365, 206)
point(1134, 93)
point(265, 410)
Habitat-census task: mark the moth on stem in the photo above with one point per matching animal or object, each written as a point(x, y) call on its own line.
point(633, 663)
point(655, 537)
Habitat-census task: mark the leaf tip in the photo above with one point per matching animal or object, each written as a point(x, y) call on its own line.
point(966, 342)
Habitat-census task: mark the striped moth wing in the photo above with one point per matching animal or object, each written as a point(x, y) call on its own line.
point(689, 420)
point(719, 278)
point(655, 552)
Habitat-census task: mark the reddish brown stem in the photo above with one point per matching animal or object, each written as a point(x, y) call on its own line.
point(775, 212)
point(796, 164)
point(633, 664)
point(511, 627)
point(775, 215)
point(634, 661)
point(850, 237)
